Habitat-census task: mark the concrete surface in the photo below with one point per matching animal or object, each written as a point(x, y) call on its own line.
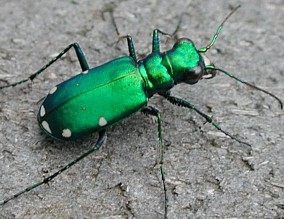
point(208, 175)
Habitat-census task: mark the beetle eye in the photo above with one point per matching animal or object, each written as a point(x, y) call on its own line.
point(193, 75)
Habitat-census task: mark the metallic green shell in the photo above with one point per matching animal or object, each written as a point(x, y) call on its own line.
point(93, 100)
point(104, 95)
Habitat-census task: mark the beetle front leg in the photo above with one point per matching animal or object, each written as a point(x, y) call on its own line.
point(180, 102)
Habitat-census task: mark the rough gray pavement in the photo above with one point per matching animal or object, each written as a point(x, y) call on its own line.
point(208, 175)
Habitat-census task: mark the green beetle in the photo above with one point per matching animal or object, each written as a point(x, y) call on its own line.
point(102, 96)
point(99, 97)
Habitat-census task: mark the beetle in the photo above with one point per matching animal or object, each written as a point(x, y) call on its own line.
point(102, 96)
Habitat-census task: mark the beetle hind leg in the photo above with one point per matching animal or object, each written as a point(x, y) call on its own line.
point(99, 143)
point(80, 55)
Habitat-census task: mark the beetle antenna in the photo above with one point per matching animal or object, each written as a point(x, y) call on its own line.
point(244, 82)
point(214, 38)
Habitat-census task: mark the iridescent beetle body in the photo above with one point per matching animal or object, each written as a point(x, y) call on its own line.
point(102, 96)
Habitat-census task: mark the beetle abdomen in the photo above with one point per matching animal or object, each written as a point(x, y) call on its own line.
point(93, 100)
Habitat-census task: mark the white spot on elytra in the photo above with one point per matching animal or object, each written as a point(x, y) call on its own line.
point(46, 126)
point(102, 121)
point(42, 111)
point(85, 72)
point(66, 133)
point(52, 90)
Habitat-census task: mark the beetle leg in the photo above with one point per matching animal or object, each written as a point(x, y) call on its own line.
point(80, 56)
point(100, 141)
point(180, 102)
point(149, 110)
